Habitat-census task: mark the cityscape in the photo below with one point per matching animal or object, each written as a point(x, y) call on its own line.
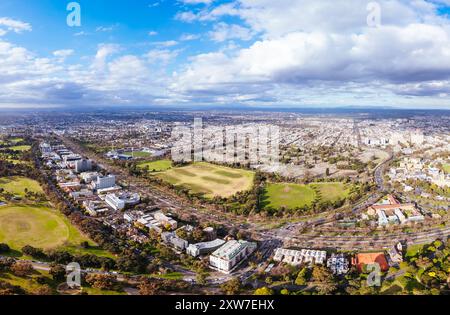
point(245, 156)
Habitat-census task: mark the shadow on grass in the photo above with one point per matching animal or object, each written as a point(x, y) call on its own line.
point(12, 253)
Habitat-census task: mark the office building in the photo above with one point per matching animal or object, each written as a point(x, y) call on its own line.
point(229, 256)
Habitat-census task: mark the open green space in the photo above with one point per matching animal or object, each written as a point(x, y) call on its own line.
point(291, 196)
point(446, 168)
point(42, 227)
point(331, 191)
point(17, 185)
point(21, 148)
point(38, 225)
point(156, 166)
point(138, 154)
point(209, 179)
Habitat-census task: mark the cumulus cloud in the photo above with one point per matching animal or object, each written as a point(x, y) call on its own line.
point(290, 52)
point(327, 47)
point(11, 25)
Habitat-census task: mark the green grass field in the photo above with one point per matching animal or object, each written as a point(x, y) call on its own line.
point(156, 166)
point(291, 196)
point(42, 227)
point(138, 154)
point(17, 185)
point(209, 179)
point(38, 225)
point(446, 168)
point(331, 191)
point(21, 148)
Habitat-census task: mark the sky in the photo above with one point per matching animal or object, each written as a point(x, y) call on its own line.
point(286, 53)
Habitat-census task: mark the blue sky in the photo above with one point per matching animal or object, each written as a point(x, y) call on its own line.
point(225, 52)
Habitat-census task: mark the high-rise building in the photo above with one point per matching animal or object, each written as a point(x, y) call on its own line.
point(83, 166)
point(105, 182)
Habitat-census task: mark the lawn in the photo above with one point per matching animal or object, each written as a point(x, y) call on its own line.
point(42, 227)
point(446, 168)
point(156, 166)
point(17, 185)
point(138, 154)
point(21, 148)
point(331, 191)
point(209, 179)
point(291, 196)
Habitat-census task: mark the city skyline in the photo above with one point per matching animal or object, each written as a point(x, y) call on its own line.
point(238, 53)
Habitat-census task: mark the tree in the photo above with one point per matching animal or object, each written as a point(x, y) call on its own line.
point(264, 291)
point(231, 287)
point(44, 290)
point(148, 287)
point(200, 278)
point(322, 274)
point(57, 272)
point(33, 252)
point(301, 277)
point(4, 248)
point(22, 268)
point(102, 282)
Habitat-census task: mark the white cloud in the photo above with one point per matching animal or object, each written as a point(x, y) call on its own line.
point(321, 46)
point(168, 43)
point(161, 56)
point(223, 31)
point(63, 53)
point(103, 52)
point(189, 37)
point(10, 25)
point(106, 28)
point(152, 33)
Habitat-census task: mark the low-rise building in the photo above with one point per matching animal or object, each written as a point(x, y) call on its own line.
point(298, 257)
point(172, 239)
point(338, 264)
point(204, 248)
point(122, 200)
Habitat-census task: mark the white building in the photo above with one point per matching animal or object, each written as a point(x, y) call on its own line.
point(105, 182)
point(122, 200)
point(230, 255)
point(89, 177)
point(46, 148)
point(204, 248)
point(298, 257)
